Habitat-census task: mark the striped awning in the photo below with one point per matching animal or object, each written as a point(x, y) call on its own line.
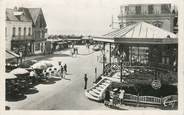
point(11, 55)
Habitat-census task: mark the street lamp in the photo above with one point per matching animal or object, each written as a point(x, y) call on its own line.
point(121, 76)
point(121, 67)
point(121, 58)
point(103, 56)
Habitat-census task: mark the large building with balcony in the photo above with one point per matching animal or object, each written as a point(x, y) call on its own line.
point(164, 16)
point(25, 30)
point(18, 31)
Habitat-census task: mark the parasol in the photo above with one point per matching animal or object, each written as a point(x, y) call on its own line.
point(48, 63)
point(10, 76)
point(19, 71)
point(39, 66)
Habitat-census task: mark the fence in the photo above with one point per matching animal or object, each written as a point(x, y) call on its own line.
point(143, 99)
point(150, 99)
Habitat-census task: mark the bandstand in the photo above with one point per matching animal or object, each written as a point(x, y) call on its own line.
point(146, 56)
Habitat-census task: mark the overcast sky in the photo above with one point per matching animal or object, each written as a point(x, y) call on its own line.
point(87, 17)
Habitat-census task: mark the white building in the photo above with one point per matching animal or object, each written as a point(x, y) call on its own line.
point(25, 30)
point(160, 15)
point(18, 31)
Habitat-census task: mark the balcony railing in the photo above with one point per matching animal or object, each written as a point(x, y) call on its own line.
point(17, 38)
point(146, 14)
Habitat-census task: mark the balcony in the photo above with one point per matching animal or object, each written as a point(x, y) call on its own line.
point(21, 38)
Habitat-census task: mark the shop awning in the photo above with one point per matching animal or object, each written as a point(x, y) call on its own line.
point(139, 33)
point(11, 55)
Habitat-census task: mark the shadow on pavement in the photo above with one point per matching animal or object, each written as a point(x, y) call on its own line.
point(16, 98)
point(31, 91)
point(116, 108)
point(68, 74)
point(55, 79)
point(50, 81)
point(66, 78)
point(47, 82)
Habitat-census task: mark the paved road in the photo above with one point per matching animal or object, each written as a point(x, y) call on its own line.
point(68, 93)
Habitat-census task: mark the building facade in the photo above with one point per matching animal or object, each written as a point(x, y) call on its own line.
point(25, 30)
point(18, 31)
point(164, 16)
point(39, 29)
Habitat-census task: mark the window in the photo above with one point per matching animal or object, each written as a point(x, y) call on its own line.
point(126, 10)
point(150, 9)
point(29, 33)
point(40, 34)
point(40, 21)
point(24, 31)
point(165, 8)
point(37, 46)
point(19, 31)
point(43, 35)
point(14, 31)
point(138, 9)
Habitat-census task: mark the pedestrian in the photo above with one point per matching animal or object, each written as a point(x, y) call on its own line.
point(61, 72)
point(65, 68)
point(121, 96)
point(32, 75)
point(107, 97)
point(61, 69)
point(45, 74)
point(85, 81)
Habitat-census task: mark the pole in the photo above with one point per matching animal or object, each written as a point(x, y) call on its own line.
point(95, 73)
point(103, 57)
point(121, 76)
point(110, 54)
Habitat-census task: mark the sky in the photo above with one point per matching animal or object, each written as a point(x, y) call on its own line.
point(79, 17)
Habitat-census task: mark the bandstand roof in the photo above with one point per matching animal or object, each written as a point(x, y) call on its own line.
point(139, 33)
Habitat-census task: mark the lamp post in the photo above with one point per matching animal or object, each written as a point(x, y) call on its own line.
point(121, 58)
point(103, 56)
point(121, 76)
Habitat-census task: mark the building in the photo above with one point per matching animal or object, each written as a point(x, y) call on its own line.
point(25, 30)
point(164, 16)
point(143, 46)
point(38, 28)
point(18, 31)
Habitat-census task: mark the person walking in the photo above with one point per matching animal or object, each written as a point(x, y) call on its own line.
point(61, 69)
point(85, 81)
point(65, 68)
point(61, 72)
point(32, 75)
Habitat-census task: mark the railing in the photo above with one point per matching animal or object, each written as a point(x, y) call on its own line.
point(143, 99)
point(21, 38)
point(145, 14)
point(127, 65)
point(151, 99)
